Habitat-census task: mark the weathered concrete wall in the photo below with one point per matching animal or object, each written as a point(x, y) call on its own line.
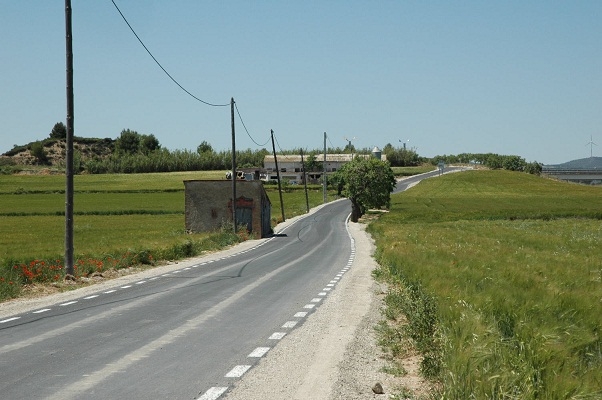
point(208, 205)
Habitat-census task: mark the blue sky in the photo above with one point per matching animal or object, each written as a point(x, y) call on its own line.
point(508, 77)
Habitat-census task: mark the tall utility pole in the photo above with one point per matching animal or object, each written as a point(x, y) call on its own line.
point(69, 270)
point(324, 170)
point(277, 174)
point(233, 166)
point(304, 181)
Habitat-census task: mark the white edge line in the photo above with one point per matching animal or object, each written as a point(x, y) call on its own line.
point(213, 393)
point(300, 314)
point(238, 371)
point(277, 335)
point(259, 352)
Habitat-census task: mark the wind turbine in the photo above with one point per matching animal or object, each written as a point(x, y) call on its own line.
point(591, 145)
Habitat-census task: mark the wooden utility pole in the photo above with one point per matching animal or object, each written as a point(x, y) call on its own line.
point(324, 170)
point(277, 175)
point(233, 166)
point(69, 270)
point(304, 181)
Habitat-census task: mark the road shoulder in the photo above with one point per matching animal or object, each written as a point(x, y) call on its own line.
point(334, 354)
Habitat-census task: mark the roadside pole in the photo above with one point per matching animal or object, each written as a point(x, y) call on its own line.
point(277, 175)
point(69, 269)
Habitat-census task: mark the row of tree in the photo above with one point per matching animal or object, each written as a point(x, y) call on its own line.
point(133, 152)
point(492, 161)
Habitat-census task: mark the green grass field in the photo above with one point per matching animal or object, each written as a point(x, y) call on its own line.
point(409, 171)
point(500, 277)
point(132, 218)
point(498, 274)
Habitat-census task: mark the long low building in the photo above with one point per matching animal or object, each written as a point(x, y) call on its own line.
point(291, 167)
point(585, 170)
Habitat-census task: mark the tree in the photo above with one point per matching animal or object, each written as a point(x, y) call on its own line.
point(368, 183)
point(128, 142)
point(312, 164)
point(37, 150)
point(59, 131)
point(149, 143)
point(204, 147)
point(513, 163)
point(534, 168)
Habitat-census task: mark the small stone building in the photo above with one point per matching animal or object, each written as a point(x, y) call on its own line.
point(208, 205)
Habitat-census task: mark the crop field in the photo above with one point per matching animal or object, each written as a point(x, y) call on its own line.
point(499, 276)
point(409, 171)
point(119, 220)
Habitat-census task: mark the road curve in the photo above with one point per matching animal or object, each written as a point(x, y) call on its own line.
point(188, 333)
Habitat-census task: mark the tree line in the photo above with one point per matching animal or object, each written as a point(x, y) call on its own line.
point(491, 161)
point(133, 152)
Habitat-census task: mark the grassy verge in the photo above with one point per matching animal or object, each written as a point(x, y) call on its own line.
point(498, 276)
point(410, 171)
point(119, 221)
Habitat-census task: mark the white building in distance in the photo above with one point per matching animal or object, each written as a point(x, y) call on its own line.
point(291, 168)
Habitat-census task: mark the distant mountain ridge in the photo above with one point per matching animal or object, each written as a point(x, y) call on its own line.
point(589, 163)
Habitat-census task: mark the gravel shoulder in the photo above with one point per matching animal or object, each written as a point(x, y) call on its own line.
point(334, 355)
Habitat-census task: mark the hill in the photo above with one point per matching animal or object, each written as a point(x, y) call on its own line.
point(54, 151)
point(581, 164)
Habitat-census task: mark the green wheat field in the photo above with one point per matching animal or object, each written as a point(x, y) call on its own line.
point(495, 277)
point(499, 276)
point(119, 220)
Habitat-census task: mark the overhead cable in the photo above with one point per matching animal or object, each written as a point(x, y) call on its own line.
point(282, 151)
point(246, 130)
point(159, 64)
point(331, 145)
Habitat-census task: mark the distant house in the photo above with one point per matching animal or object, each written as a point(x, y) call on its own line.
point(208, 204)
point(291, 168)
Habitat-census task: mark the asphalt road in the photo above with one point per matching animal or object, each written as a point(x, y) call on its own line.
point(189, 333)
point(406, 183)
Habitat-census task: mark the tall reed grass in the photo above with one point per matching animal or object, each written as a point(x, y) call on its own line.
point(509, 268)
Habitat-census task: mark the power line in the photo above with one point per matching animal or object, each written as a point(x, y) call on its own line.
point(246, 130)
point(282, 151)
point(331, 145)
point(159, 64)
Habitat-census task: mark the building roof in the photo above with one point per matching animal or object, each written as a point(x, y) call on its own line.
point(319, 157)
